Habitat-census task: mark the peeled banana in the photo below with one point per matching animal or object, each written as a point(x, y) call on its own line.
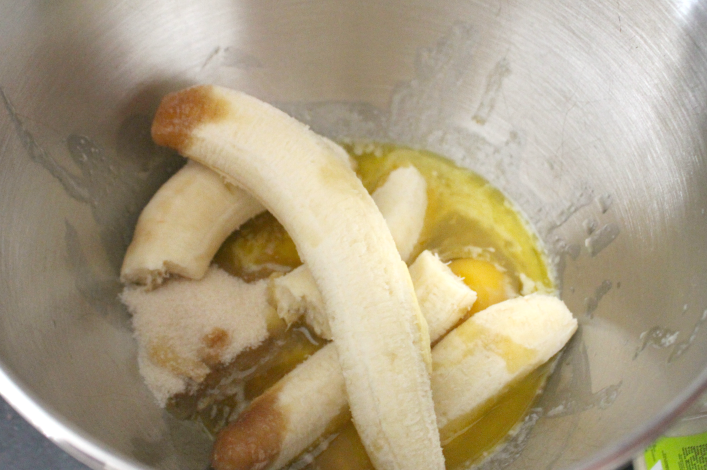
point(186, 221)
point(402, 200)
point(477, 361)
point(380, 336)
point(183, 225)
point(444, 298)
point(436, 286)
point(474, 364)
point(311, 399)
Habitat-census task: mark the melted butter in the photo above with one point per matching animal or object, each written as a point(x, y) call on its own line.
point(466, 216)
point(230, 388)
point(260, 248)
point(468, 222)
point(474, 340)
point(496, 423)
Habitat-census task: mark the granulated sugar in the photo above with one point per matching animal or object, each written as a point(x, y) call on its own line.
point(185, 327)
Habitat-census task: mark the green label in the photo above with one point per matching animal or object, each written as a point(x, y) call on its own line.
point(678, 453)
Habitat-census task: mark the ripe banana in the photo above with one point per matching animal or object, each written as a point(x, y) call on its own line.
point(183, 225)
point(402, 200)
point(379, 333)
point(444, 297)
point(436, 286)
point(493, 349)
point(311, 400)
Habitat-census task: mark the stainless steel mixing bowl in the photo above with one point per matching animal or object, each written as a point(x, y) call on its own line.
point(590, 115)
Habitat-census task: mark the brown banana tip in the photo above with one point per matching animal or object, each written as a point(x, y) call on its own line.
point(254, 440)
point(181, 112)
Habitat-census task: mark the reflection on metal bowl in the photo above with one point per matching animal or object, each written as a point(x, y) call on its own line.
point(590, 116)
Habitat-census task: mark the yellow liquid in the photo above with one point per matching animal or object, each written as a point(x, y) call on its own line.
point(229, 388)
point(346, 451)
point(468, 222)
point(466, 216)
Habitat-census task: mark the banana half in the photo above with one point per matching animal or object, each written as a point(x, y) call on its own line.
point(380, 336)
point(183, 225)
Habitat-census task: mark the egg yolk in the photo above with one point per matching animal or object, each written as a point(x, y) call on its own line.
point(259, 248)
point(488, 281)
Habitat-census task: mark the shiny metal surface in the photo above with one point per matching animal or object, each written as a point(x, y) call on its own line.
point(590, 115)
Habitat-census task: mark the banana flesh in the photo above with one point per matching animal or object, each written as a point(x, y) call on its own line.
point(311, 400)
point(444, 297)
point(183, 225)
point(402, 200)
point(435, 286)
point(520, 335)
point(380, 336)
point(494, 348)
point(295, 294)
